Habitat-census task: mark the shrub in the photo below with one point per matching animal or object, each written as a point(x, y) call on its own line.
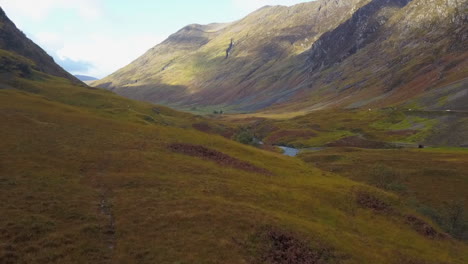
point(456, 220)
point(245, 136)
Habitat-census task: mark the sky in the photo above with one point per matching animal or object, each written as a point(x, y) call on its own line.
point(98, 37)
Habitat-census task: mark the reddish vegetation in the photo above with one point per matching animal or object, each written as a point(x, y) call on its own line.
point(369, 201)
point(286, 249)
point(429, 77)
point(203, 127)
point(422, 227)
point(359, 142)
point(270, 148)
point(403, 259)
point(265, 129)
point(206, 128)
point(278, 136)
point(216, 156)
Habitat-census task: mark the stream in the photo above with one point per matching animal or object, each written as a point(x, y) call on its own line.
point(293, 152)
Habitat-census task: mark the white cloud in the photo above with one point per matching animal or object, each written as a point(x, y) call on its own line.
point(48, 39)
point(39, 9)
point(96, 52)
point(107, 53)
point(53, 44)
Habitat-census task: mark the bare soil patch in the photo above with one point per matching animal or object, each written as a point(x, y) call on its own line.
point(278, 136)
point(369, 201)
point(286, 248)
point(207, 128)
point(423, 228)
point(216, 156)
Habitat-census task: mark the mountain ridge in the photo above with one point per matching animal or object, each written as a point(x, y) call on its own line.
point(281, 63)
point(86, 77)
point(246, 43)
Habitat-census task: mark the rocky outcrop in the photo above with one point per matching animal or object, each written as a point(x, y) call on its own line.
point(229, 49)
point(357, 32)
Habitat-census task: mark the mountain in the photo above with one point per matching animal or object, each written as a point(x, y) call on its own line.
point(87, 176)
point(86, 78)
point(315, 55)
point(24, 56)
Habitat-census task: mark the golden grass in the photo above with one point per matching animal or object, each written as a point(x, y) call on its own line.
point(68, 151)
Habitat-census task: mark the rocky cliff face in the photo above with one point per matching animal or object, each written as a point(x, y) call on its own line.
point(327, 53)
point(354, 34)
point(416, 48)
point(14, 42)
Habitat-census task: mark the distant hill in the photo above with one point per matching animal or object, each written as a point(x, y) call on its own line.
point(85, 78)
point(315, 55)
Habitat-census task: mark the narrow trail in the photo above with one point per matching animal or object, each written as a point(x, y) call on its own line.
point(95, 172)
point(109, 230)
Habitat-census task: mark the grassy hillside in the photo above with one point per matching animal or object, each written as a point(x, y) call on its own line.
point(371, 128)
point(433, 181)
point(381, 148)
point(87, 176)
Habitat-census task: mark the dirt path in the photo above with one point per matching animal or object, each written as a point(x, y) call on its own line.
point(95, 171)
point(105, 208)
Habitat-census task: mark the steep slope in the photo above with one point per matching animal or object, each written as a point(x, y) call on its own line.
point(419, 48)
point(87, 176)
point(176, 71)
point(315, 55)
point(12, 40)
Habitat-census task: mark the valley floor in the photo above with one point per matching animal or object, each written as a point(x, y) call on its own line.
point(90, 177)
